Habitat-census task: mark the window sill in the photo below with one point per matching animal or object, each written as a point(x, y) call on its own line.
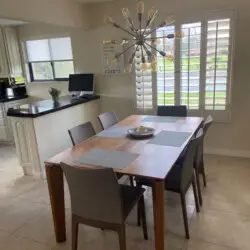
point(47, 82)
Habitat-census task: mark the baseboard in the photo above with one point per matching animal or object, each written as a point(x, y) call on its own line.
point(228, 152)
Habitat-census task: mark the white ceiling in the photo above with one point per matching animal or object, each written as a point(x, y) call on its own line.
point(8, 22)
point(93, 1)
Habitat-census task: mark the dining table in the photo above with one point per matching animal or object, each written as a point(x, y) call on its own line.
point(153, 162)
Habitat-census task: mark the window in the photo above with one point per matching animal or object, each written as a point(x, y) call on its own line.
point(199, 76)
point(165, 68)
point(50, 59)
point(144, 97)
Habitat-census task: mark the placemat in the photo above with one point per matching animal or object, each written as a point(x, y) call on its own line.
point(170, 138)
point(115, 132)
point(107, 158)
point(165, 119)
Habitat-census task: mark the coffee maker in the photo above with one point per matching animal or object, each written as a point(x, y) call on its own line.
point(4, 85)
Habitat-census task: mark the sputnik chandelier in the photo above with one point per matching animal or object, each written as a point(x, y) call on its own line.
point(142, 39)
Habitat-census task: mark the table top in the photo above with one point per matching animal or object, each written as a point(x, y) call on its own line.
point(154, 161)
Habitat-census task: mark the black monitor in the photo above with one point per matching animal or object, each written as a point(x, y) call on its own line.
point(81, 82)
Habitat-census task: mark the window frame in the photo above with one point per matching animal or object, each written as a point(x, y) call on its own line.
point(203, 18)
point(30, 63)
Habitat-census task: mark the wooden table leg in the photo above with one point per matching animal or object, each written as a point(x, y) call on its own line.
point(158, 200)
point(56, 191)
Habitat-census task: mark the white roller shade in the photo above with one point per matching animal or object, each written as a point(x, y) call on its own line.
point(38, 50)
point(61, 49)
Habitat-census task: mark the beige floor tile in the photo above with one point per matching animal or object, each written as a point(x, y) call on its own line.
point(16, 212)
point(40, 228)
point(228, 185)
point(200, 245)
point(221, 225)
point(15, 243)
point(3, 234)
point(39, 193)
point(227, 229)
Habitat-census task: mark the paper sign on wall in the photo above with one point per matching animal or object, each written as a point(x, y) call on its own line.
point(112, 67)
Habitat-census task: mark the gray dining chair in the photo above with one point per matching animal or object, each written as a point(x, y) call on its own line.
point(98, 200)
point(181, 177)
point(108, 120)
point(81, 132)
point(199, 158)
point(177, 110)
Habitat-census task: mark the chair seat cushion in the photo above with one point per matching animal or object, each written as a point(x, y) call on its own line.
point(172, 181)
point(130, 196)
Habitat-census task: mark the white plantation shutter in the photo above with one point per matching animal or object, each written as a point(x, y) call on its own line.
point(200, 76)
point(165, 68)
point(144, 96)
point(190, 65)
point(217, 64)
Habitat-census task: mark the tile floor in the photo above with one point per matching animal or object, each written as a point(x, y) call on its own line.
point(222, 224)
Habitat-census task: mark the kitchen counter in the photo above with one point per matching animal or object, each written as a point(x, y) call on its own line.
point(47, 106)
point(12, 98)
point(41, 129)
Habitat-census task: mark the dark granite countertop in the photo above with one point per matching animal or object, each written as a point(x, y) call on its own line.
point(13, 98)
point(47, 106)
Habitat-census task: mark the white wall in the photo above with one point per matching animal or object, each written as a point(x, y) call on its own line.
point(230, 138)
point(62, 12)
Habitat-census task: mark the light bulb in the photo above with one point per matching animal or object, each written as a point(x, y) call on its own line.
point(152, 13)
point(125, 12)
point(169, 57)
point(154, 66)
point(144, 66)
point(167, 21)
point(129, 68)
point(157, 41)
point(140, 7)
point(109, 20)
point(179, 35)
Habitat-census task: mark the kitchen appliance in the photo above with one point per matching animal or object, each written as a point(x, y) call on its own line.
point(4, 84)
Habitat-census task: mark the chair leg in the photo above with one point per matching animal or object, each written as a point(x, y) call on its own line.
point(184, 211)
point(74, 232)
point(138, 215)
point(138, 210)
point(197, 176)
point(122, 237)
point(143, 217)
point(203, 174)
point(131, 179)
point(195, 196)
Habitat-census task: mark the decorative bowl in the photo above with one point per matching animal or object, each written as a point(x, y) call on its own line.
point(141, 132)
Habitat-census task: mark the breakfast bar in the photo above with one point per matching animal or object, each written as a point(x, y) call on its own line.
point(41, 129)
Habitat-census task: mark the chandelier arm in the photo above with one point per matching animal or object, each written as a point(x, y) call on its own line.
point(147, 25)
point(142, 55)
point(131, 60)
point(127, 31)
point(153, 47)
point(151, 31)
point(118, 55)
point(131, 23)
point(160, 37)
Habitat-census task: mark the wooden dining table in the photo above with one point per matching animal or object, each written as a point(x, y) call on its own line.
point(154, 162)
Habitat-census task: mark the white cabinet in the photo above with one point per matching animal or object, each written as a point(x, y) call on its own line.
point(10, 57)
point(13, 52)
point(6, 131)
point(4, 70)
